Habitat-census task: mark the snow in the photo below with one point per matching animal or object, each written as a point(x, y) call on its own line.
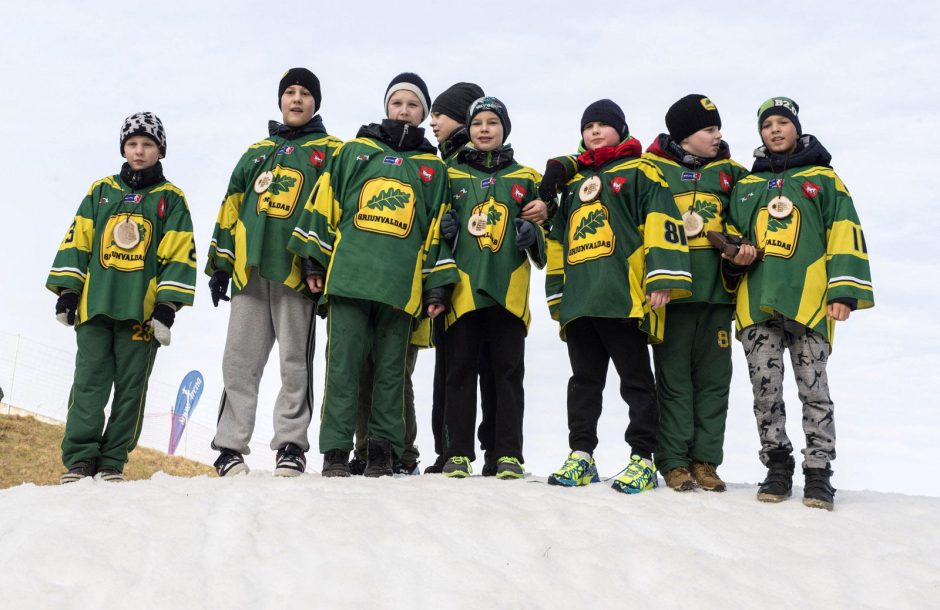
point(259, 541)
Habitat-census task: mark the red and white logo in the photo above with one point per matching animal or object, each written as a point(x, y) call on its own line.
point(518, 193)
point(161, 207)
point(617, 183)
point(725, 180)
point(427, 174)
point(317, 157)
point(810, 190)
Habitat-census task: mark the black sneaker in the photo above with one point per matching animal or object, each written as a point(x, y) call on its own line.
point(357, 466)
point(78, 470)
point(109, 474)
point(379, 460)
point(408, 468)
point(291, 461)
point(818, 492)
point(437, 467)
point(335, 463)
point(230, 463)
point(778, 484)
point(489, 467)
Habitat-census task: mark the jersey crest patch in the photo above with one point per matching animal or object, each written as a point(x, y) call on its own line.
point(810, 190)
point(386, 206)
point(426, 173)
point(590, 235)
point(617, 183)
point(724, 179)
point(518, 193)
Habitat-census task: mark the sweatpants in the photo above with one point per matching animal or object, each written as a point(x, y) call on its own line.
point(485, 432)
point(111, 353)
point(693, 374)
point(262, 313)
point(505, 335)
point(410, 454)
point(357, 328)
point(764, 344)
point(592, 344)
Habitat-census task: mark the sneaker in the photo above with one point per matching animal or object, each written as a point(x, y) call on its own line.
point(458, 467)
point(407, 468)
point(78, 470)
point(818, 492)
point(437, 467)
point(379, 458)
point(706, 476)
point(335, 463)
point(490, 467)
point(679, 479)
point(778, 484)
point(509, 468)
point(291, 461)
point(109, 474)
point(574, 472)
point(639, 476)
point(230, 463)
point(357, 466)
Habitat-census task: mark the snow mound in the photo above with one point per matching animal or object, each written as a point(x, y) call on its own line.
point(258, 541)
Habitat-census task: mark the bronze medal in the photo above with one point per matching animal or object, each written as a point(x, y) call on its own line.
point(263, 181)
point(694, 223)
point(126, 234)
point(590, 189)
point(477, 225)
point(780, 207)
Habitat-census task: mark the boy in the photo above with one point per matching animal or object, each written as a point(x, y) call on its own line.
point(693, 363)
point(384, 194)
point(814, 272)
point(617, 253)
point(125, 267)
point(270, 301)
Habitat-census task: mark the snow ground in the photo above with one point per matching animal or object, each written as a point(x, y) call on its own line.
point(258, 541)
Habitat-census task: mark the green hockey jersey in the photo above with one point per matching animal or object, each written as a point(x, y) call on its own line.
point(703, 190)
point(266, 194)
point(812, 256)
point(492, 270)
point(126, 283)
point(608, 250)
point(373, 222)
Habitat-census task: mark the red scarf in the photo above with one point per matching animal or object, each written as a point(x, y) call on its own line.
point(597, 157)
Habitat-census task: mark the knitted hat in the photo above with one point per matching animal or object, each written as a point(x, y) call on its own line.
point(306, 79)
point(606, 112)
point(409, 81)
point(782, 106)
point(690, 114)
point(493, 105)
point(144, 124)
point(456, 100)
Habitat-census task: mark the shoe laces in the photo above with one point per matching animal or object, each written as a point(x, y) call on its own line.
point(460, 459)
point(637, 467)
point(509, 460)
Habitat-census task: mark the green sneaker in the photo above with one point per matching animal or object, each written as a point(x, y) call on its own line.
point(640, 475)
point(575, 472)
point(509, 468)
point(457, 467)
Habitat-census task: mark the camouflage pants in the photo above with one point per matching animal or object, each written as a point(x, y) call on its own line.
point(764, 344)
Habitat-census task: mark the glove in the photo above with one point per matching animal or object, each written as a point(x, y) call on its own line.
point(437, 296)
point(311, 267)
point(66, 307)
point(525, 234)
point(555, 175)
point(164, 314)
point(218, 287)
point(449, 227)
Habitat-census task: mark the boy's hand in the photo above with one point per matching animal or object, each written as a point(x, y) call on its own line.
point(218, 286)
point(315, 283)
point(838, 312)
point(659, 298)
point(435, 309)
point(535, 211)
point(66, 306)
point(746, 255)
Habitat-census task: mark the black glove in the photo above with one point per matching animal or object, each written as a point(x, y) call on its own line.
point(311, 267)
point(66, 306)
point(449, 227)
point(437, 296)
point(525, 234)
point(554, 177)
point(218, 287)
point(164, 312)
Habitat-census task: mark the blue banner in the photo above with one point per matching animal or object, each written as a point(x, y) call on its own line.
point(186, 400)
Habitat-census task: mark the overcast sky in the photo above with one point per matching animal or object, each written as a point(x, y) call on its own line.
point(864, 74)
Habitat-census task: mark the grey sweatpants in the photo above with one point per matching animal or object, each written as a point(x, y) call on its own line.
point(763, 345)
point(265, 311)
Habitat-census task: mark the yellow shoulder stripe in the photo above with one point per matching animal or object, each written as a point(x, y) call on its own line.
point(170, 187)
point(428, 157)
point(828, 173)
point(364, 141)
point(265, 142)
point(454, 174)
point(525, 173)
point(110, 181)
point(657, 159)
point(751, 179)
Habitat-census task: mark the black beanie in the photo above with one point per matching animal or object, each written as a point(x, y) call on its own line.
point(607, 112)
point(493, 105)
point(456, 100)
point(144, 124)
point(690, 114)
point(306, 79)
point(409, 81)
point(782, 106)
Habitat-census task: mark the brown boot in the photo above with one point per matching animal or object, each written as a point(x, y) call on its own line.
point(679, 479)
point(707, 477)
